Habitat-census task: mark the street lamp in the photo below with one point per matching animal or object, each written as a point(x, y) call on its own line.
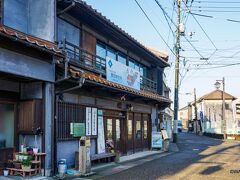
point(224, 123)
point(217, 84)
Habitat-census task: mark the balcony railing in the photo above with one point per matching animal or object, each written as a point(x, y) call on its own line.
point(96, 64)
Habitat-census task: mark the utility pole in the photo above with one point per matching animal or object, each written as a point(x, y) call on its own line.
point(195, 108)
point(176, 88)
point(223, 111)
point(224, 122)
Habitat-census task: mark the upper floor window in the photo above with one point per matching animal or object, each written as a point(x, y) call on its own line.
point(104, 51)
point(101, 51)
point(35, 18)
point(122, 59)
point(131, 64)
point(111, 54)
point(68, 32)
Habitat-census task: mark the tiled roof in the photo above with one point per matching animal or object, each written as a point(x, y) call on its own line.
point(91, 77)
point(49, 46)
point(217, 95)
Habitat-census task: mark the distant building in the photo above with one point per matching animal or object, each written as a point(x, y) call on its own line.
point(237, 104)
point(184, 116)
point(209, 112)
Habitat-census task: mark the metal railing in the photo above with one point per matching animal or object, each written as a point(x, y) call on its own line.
point(97, 64)
point(148, 84)
point(83, 58)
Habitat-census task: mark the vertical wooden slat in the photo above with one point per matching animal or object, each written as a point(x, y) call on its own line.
point(1, 12)
point(67, 113)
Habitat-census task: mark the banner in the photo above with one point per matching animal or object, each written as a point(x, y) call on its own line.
point(122, 74)
point(94, 121)
point(101, 138)
point(88, 121)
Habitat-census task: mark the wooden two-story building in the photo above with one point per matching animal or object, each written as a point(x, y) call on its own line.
point(108, 80)
point(27, 74)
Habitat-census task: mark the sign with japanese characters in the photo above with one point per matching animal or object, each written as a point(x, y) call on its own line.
point(122, 74)
point(94, 121)
point(88, 121)
point(101, 138)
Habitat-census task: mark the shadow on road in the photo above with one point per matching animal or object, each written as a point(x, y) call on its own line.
point(198, 156)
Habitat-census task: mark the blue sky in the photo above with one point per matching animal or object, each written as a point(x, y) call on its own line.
point(224, 35)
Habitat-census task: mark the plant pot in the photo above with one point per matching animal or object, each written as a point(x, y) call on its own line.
point(5, 172)
point(26, 168)
point(24, 157)
point(35, 150)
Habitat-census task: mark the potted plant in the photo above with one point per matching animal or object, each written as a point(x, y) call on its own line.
point(22, 156)
point(117, 157)
point(26, 164)
point(35, 148)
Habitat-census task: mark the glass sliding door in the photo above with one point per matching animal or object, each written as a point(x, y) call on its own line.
point(130, 133)
point(6, 132)
point(6, 125)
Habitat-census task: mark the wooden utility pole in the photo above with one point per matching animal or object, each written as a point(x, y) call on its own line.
point(223, 111)
point(176, 88)
point(195, 109)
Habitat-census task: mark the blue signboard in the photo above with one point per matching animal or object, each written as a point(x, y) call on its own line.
point(122, 74)
point(157, 140)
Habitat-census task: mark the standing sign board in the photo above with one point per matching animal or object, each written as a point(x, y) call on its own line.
point(101, 138)
point(88, 121)
point(156, 140)
point(122, 74)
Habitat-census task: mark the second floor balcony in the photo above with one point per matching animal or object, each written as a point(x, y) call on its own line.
point(93, 63)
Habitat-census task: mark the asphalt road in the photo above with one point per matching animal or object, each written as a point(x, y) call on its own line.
point(199, 157)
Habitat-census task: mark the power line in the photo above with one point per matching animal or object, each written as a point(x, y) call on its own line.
point(220, 11)
point(209, 16)
point(154, 26)
point(167, 16)
point(218, 2)
point(217, 7)
point(200, 26)
point(216, 67)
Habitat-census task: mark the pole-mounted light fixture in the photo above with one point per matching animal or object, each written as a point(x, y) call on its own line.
point(217, 84)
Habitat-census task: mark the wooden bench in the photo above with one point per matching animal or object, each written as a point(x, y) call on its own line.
point(109, 157)
point(23, 173)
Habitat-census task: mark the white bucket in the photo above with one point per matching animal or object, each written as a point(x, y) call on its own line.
point(5, 172)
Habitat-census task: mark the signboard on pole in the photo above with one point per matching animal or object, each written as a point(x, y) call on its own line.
point(122, 74)
point(88, 121)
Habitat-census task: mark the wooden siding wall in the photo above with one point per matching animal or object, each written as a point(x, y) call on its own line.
point(88, 42)
point(30, 116)
point(66, 114)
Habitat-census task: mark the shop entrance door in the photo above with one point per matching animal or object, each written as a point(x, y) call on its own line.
point(138, 132)
point(114, 135)
point(130, 138)
point(6, 132)
point(146, 131)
